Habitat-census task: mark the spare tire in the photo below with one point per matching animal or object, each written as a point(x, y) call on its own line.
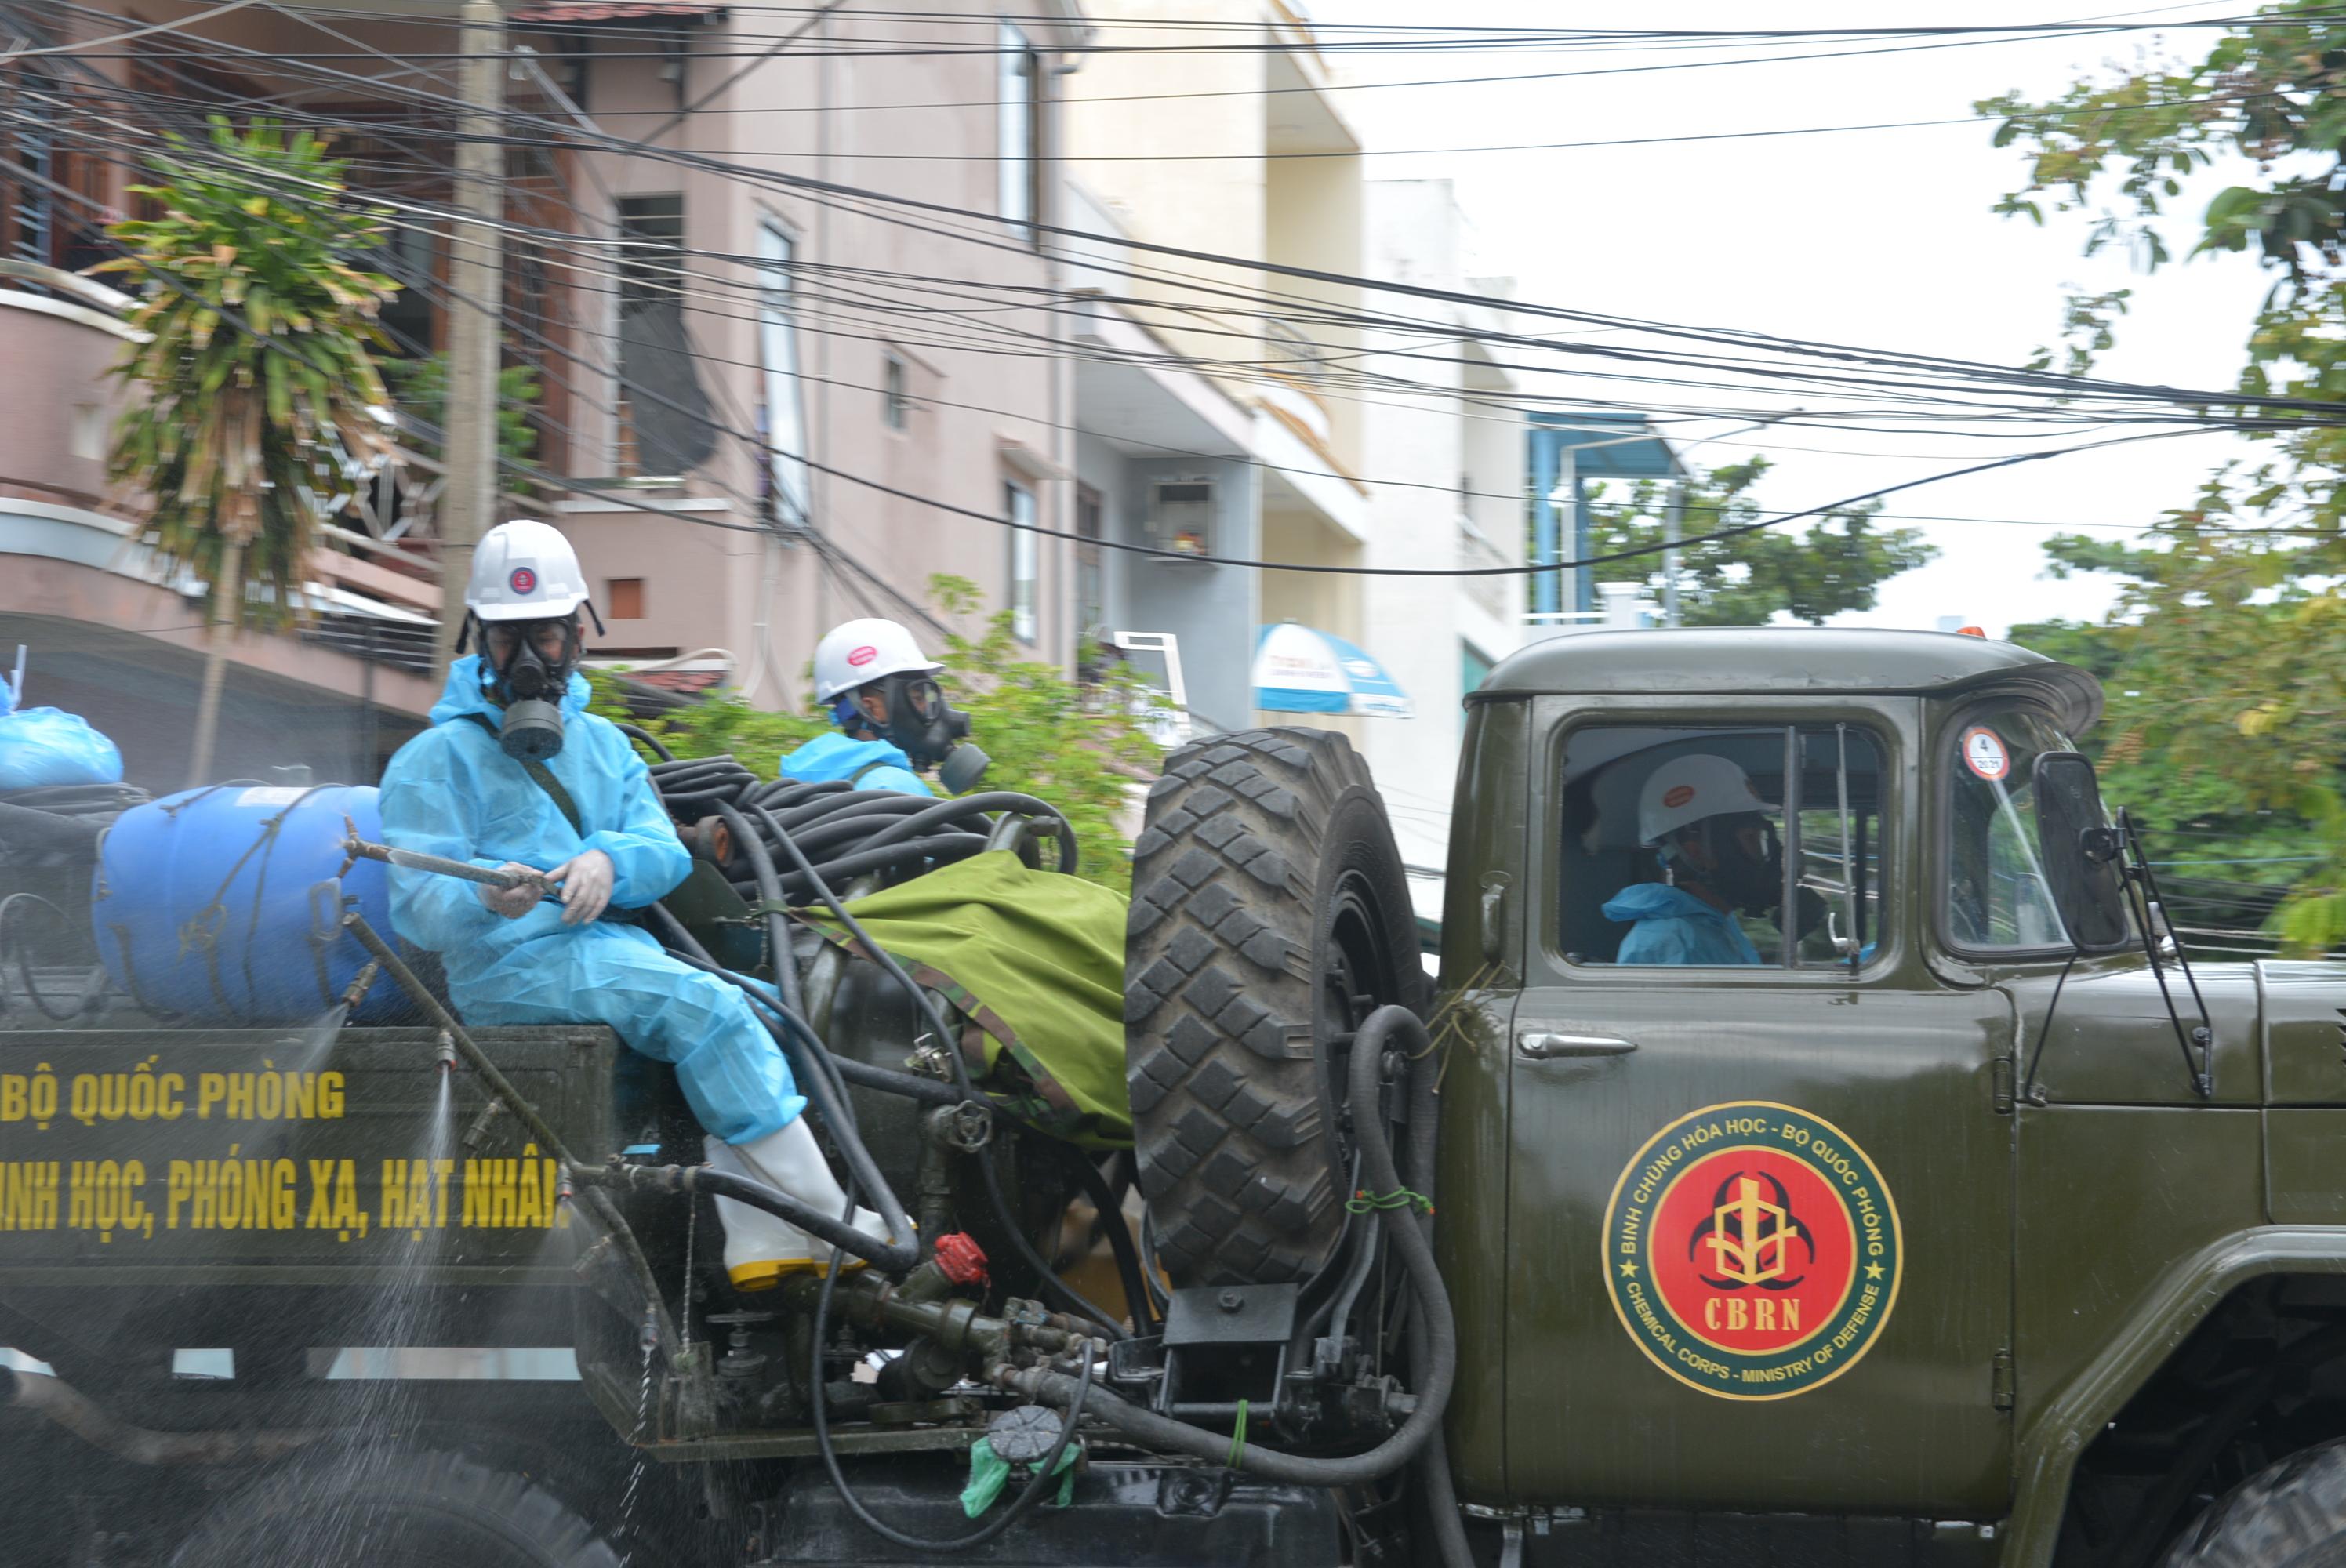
point(1270, 915)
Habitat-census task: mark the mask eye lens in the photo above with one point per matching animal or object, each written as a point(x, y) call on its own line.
point(924, 698)
point(502, 642)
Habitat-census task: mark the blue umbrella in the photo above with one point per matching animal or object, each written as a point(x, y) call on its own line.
point(1302, 669)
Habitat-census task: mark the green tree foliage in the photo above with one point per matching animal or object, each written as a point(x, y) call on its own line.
point(256, 377)
point(420, 389)
point(1080, 748)
point(2227, 653)
point(1839, 561)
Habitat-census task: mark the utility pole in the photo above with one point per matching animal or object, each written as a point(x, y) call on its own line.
point(476, 275)
point(1673, 521)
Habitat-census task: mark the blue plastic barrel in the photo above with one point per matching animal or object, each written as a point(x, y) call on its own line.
point(225, 904)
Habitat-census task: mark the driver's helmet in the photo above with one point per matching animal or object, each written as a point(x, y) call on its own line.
point(1688, 789)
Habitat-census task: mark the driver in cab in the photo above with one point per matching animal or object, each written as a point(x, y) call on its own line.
point(1706, 819)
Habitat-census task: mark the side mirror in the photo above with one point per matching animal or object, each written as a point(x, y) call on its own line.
point(2081, 852)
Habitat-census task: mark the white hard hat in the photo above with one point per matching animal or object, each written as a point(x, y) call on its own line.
point(524, 571)
point(855, 652)
point(1688, 788)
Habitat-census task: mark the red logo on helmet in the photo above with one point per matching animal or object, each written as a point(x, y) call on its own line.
point(1679, 796)
point(523, 580)
point(862, 656)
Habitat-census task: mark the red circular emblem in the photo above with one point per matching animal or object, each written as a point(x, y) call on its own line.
point(1752, 1251)
point(1679, 796)
point(862, 656)
point(523, 580)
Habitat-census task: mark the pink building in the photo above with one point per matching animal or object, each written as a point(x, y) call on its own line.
point(797, 343)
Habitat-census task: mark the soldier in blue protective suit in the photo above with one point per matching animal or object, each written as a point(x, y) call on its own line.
point(515, 774)
point(894, 718)
point(1708, 823)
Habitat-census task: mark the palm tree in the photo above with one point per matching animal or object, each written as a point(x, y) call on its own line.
point(257, 372)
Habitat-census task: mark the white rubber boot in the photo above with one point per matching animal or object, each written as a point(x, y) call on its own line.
point(760, 1248)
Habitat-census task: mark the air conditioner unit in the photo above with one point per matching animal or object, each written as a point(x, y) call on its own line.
point(1180, 516)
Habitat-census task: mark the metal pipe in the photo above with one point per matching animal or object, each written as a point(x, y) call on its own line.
point(598, 1202)
point(359, 848)
point(63, 1405)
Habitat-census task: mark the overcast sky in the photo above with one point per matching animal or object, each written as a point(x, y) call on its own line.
point(1881, 238)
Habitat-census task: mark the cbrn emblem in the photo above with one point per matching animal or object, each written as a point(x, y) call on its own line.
point(1753, 1250)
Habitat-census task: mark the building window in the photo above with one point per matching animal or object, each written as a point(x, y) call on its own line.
point(1475, 665)
point(896, 404)
point(651, 251)
point(1020, 148)
point(1026, 562)
point(52, 193)
point(624, 598)
point(1091, 564)
point(665, 428)
point(778, 352)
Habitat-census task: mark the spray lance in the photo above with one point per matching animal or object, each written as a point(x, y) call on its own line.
point(357, 849)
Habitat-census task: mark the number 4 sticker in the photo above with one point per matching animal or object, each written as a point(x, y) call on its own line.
point(1984, 754)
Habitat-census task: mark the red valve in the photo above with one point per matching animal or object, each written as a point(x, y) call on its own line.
point(961, 1259)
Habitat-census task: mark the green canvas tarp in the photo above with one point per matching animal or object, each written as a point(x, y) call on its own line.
point(1036, 961)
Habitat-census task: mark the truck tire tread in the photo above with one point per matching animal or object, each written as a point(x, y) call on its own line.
point(1219, 996)
point(2291, 1514)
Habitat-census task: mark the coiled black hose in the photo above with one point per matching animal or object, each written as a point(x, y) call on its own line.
point(844, 832)
point(1387, 1026)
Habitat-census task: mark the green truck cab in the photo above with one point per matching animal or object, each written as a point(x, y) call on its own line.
point(1930, 1237)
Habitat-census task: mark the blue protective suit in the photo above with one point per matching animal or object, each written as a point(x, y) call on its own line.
point(881, 764)
point(453, 792)
point(1673, 926)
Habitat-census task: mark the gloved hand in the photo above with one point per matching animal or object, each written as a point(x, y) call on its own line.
point(517, 901)
point(586, 881)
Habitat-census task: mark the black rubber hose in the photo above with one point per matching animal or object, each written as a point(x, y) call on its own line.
point(989, 801)
point(887, 1080)
point(814, 811)
point(769, 891)
point(646, 737)
point(82, 1003)
point(893, 1258)
point(949, 1047)
point(1153, 1430)
point(827, 1094)
point(846, 867)
point(1438, 1491)
point(1119, 1242)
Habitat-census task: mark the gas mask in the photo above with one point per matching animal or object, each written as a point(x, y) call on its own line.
point(530, 689)
point(931, 731)
point(1752, 884)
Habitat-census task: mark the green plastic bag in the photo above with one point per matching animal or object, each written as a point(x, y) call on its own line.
point(989, 1472)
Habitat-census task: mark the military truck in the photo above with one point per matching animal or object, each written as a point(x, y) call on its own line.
point(1971, 1225)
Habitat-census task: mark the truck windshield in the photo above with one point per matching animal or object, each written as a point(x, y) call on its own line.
point(1679, 845)
point(1996, 895)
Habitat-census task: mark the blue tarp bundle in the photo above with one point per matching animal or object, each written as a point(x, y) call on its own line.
point(40, 747)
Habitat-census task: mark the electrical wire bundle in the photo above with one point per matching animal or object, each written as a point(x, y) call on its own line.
point(844, 832)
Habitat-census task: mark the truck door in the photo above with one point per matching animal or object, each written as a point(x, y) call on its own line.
point(1760, 1212)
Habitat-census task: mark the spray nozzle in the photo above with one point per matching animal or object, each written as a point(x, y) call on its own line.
point(475, 1134)
point(443, 1055)
point(361, 982)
